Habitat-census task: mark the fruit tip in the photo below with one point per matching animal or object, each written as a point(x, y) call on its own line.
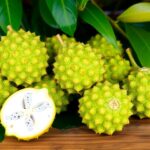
point(9, 28)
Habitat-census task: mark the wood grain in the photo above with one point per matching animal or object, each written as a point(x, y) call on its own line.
point(135, 136)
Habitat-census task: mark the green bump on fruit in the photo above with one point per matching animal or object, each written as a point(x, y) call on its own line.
point(105, 108)
point(138, 86)
point(23, 57)
point(117, 68)
point(77, 67)
point(102, 47)
point(59, 97)
point(6, 89)
point(53, 44)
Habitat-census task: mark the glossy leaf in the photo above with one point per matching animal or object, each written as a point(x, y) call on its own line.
point(82, 4)
point(10, 14)
point(94, 16)
point(46, 14)
point(139, 12)
point(2, 133)
point(65, 14)
point(140, 41)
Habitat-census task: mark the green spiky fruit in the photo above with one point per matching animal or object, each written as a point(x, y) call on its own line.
point(23, 57)
point(59, 97)
point(104, 48)
point(53, 44)
point(77, 67)
point(138, 86)
point(6, 89)
point(105, 108)
point(117, 68)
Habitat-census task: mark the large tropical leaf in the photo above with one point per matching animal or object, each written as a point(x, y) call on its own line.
point(46, 14)
point(10, 14)
point(64, 13)
point(140, 41)
point(94, 16)
point(139, 12)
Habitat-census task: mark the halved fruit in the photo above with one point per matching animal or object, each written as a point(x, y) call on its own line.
point(28, 113)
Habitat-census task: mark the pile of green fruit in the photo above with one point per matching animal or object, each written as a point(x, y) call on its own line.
point(111, 90)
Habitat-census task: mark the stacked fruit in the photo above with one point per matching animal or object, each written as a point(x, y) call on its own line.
point(96, 70)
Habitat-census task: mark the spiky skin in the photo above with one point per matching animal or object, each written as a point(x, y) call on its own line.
point(23, 57)
point(102, 47)
point(117, 68)
point(138, 86)
point(6, 89)
point(54, 45)
point(105, 108)
point(77, 67)
point(60, 98)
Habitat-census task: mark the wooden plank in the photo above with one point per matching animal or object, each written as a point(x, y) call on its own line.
point(134, 136)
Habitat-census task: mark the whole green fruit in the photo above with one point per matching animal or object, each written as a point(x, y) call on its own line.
point(105, 108)
point(23, 57)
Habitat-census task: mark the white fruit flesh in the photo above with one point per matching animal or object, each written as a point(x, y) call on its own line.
point(28, 113)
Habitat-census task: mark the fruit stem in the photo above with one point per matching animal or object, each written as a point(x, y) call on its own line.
point(9, 28)
point(60, 39)
point(129, 53)
point(114, 23)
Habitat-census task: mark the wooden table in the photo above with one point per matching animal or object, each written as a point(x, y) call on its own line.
point(135, 136)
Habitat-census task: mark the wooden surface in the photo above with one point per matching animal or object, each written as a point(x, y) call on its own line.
point(135, 136)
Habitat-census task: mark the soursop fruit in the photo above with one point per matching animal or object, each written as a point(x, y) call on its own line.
point(102, 47)
point(77, 67)
point(60, 98)
point(23, 57)
point(117, 68)
point(105, 108)
point(28, 113)
point(6, 89)
point(138, 86)
point(54, 44)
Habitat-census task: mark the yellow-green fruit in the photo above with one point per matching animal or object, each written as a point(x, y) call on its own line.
point(117, 68)
point(54, 44)
point(59, 97)
point(102, 47)
point(23, 57)
point(105, 108)
point(77, 67)
point(6, 89)
point(138, 86)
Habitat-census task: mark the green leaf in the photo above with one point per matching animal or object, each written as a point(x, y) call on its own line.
point(46, 14)
point(139, 12)
point(94, 16)
point(10, 14)
point(65, 14)
point(140, 41)
point(82, 4)
point(2, 133)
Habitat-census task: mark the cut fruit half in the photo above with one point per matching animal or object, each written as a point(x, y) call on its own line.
point(28, 113)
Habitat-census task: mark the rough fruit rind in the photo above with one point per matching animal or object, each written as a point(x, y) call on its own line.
point(22, 56)
point(138, 87)
point(60, 98)
point(117, 68)
point(102, 47)
point(105, 108)
point(77, 67)
point(6, 89)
